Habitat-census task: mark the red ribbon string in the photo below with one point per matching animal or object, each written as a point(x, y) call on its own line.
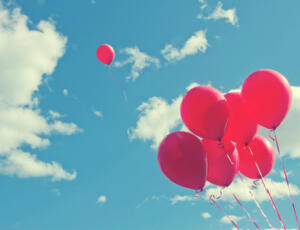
point(256, 202)
point(248, 214)
point(267, 190)
point(220, 194)
point(215, 203)
point(114, 79)
point(252, 195)
point(285, 174)
point(255, 184)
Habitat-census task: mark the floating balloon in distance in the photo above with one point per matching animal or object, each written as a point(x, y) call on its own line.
point(263, 154)
point(241, 128)
point(221, 170)
point(106, 54)
point(267, 96)
point(204, 111)
point(182, 159)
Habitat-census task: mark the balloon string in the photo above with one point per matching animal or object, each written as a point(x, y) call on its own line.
point(255, 184)
point(267, 190)
point(252, 195)
point(215, 203)
point(248, 214)
point(219, 196)
point(114, 79)
point(255, 201)
point(285, 175)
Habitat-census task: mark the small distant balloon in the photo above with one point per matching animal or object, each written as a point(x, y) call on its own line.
point(105, 54)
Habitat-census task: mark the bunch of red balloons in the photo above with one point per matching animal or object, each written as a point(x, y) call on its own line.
point(223, 138)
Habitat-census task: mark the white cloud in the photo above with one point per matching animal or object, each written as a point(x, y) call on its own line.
point(206, 215)
point(139, 61)
point(65, 92)
point(26, 55)
point(203, 4)
point(196, 43)
point(26, 165)
point(97, 113)
point(101, 199)
point(179, 198)
point(157, 118)
point(64, 128)
point(192, 85)
point(54, 115)
point(236, 219)
point(220, 13)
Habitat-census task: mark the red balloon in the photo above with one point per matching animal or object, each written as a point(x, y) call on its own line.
point(182, 159)
point(267, 96)
point(204, 111)
point(221, 171)
point(105, 54)
point(263, 153)
point(240, 128)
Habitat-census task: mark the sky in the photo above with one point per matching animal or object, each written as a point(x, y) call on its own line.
point(75, 155)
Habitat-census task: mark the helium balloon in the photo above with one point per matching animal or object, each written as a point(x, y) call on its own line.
point(182, 159)
point(204, 111)
point(221, 170)
point(267, 96)
point(241, 128)
point(263, 154)
point(105, 54)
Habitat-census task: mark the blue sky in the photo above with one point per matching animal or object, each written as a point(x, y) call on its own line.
point(74, 155)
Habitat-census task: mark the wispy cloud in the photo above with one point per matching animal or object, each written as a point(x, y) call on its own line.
point(55, 115)
point(179, 198)
point(139, 61)
point(219, 13)
point(236, 219)
point(196, 43)
point(152, 198)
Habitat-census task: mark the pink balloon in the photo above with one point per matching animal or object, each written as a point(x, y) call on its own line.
point(263, 153)
point(267, 96)
point(182, 159)
point(204, 111)
point(241, 128)
point(221, 171)
point(105, 54)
